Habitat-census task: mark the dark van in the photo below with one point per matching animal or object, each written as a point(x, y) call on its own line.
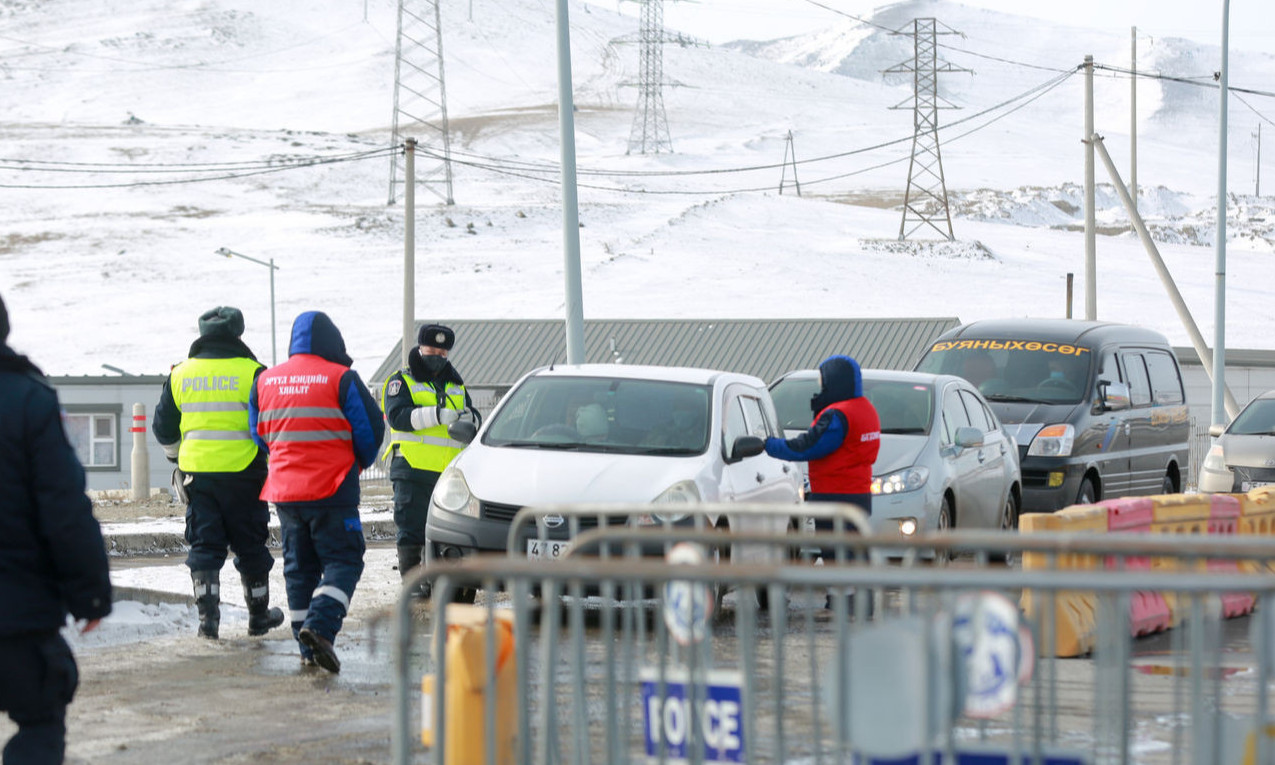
point(1098, 409)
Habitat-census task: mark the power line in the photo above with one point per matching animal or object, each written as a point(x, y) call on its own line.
point(528, 171)
point(314, 162)
point(1184, 80)
point(58, 166)
point(547, 167)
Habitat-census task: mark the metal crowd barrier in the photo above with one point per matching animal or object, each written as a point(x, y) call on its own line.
point(628, 665)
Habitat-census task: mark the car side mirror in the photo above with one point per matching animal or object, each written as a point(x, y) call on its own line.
point(746, 446)
point(462, 431)
point(968, 437)
point(1114, 396)
point(1216, 430)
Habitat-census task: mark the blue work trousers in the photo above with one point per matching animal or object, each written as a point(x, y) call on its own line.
point(226, 511)
point(322, 562)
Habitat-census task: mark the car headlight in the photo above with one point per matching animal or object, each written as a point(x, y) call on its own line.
point(680, 493)
point(1216, 460)
point(452, 494)
point(1053, 441)
point(908, 479)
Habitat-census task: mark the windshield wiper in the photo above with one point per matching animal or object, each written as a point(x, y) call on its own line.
point(667, 450)
point(1022, 399)
point(563, 445)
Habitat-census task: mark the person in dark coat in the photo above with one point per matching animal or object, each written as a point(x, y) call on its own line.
point(52, 560)
point(202, 423)
point(322, 428)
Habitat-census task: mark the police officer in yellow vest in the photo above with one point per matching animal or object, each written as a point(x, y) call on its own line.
point(202, 423)
point(420, 402)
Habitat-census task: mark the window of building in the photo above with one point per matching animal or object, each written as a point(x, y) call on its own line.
point(94, 434)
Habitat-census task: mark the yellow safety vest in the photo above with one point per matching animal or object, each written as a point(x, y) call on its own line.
point(431, 448)
point(212, 395)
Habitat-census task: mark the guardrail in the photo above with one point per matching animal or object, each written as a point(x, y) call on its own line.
point(803, 683)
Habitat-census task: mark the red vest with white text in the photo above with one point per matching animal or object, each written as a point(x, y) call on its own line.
point(300, 419)
point(848, 470)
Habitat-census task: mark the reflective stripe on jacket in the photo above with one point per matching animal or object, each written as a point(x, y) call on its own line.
point(431, 448)
point(212, 396)
point(299, 417)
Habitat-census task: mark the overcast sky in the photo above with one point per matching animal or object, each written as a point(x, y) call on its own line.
point(1252, 21)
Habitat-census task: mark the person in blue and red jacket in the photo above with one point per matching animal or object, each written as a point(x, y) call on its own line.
point(321, 427)
point(842, 442)
point(52, 560)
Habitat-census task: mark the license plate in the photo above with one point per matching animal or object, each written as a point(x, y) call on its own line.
point(1246, 485)
point(547, 548)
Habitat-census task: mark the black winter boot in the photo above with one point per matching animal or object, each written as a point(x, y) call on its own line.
point(261, 617)
point(208, 601)
point(409, 557)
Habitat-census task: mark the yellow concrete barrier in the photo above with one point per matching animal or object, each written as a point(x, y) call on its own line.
point(1257, 518)
point(468, 686)
point(1074, 619)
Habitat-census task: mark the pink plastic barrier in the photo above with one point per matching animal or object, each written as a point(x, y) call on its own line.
point(1148, 610)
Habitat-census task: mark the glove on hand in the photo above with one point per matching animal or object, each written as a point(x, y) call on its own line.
point(448, 416)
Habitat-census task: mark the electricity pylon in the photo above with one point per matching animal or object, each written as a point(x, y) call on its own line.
point(420, 99)
point(650, 124)
point(925, 201)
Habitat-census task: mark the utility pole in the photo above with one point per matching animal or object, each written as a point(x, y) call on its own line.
point(1133, 114)
point(925, 201)
point(789, 149)
point(650, 124)
point(409, 252)
point(1091, 228)
point(420, 99)
point(1219, 293)
point(1257, 184)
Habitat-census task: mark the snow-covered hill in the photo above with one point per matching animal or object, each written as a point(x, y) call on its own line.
point(141, 136)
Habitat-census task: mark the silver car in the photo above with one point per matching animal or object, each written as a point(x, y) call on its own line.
point(1243, 457)
point(945, 461)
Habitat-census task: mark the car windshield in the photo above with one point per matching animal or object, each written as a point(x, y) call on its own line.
point(604, 414)
point(1257, 419)
point(792, 401)
point(1015, 370)
point(903, 407)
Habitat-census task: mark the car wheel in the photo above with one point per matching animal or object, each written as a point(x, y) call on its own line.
point(1087, 494)
point(1009, 522)
point(943, 557)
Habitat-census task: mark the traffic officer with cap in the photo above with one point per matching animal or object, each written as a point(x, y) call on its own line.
point(202, 423)
point(420, 402)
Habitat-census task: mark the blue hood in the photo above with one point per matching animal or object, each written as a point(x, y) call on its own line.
point(841, 381)
point(313, 332)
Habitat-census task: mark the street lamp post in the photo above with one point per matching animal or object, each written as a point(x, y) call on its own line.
point(274, 353)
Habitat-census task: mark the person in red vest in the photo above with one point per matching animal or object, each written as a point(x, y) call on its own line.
point(321, 427)
point(841, 443)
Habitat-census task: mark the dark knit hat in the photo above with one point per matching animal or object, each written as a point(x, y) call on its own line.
point(435, 336)
point(222, 321)
point(4, 322)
